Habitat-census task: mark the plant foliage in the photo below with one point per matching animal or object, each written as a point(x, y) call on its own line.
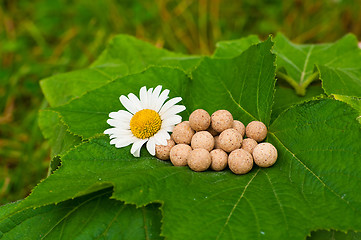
point(314, 184)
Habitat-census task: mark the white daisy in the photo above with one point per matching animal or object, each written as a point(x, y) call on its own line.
point(148, 120)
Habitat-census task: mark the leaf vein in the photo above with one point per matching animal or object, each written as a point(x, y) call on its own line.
point(230, 94)
point(236, 204)
point(315, 175)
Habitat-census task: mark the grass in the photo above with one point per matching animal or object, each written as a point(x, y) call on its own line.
point(41, 38)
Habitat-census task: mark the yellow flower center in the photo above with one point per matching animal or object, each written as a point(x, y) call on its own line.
point(145, 123)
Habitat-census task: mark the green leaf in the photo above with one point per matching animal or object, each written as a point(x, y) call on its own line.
point(232, 48)
point(62, 88)
point(123, 56)
point(56, 132)
point(313, 185)
point(88, 115)
point(334, 235)
point(86, 217)
point(337, 62)
point(243, 85)
point(285, 97)
point(310, 187)
point(126, 55)
point(352, 101)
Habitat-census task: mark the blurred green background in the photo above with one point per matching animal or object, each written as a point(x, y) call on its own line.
point(41, 38)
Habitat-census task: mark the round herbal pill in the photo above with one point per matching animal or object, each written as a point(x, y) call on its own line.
point(265, 155)
point(256, 130)
point(199, 160)
point(249, 144)
point(219, 159)
point(179, 154)
point(199, 120)
point(183, 133)
point(202, 139)
point(221, 120)
point(163, 151)
point(240, 161)
point(230, 139)
point(216, 142)
point(239, 126)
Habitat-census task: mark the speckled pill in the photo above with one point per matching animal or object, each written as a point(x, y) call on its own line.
point(265, 154)
point(183, 133)
point(240, 161)
point(199, 120)
point(249, 144)
point(230, 139)
point(221, 120)
point(219, 159)
point(202, 139)
point(256, 130)
point(212, 131)
point(163, 151)
point(199, 160)
point(216, 142)
point(239, 126)
point(179, 154)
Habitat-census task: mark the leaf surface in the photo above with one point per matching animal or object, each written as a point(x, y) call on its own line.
point(337, 63)
point(124, 55)
point(232, 48)
point(243, 85)
point(86, 217)
point(285, 97)
point(313, 185)
point(310, 187)
point(56, 132)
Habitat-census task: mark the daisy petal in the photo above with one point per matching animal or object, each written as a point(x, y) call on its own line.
point(151, 146)
point(175, 119)
point(173, 111)
point(137, 145)
point(163, 96)
point(169, 104)
point(119, 143)
point(117, 131)
point(118, 124)
point(125, 142)
point(156, 93)
point(121, 115)
point(163, 134)
point(159, 140)
point(149, 98)
point(128, 104)
point(143, 97)
point(137, 153)
point(121, 136)
point(168, 128)
point(135, 100)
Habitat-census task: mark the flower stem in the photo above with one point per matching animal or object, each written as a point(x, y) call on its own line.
point(299, 88)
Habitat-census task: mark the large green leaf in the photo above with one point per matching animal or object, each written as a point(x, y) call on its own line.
point(126, 55)
point(86, 217)
point(313, 185)
point(243, 85)
point(123, 56)
point(337, 62)
point(87, 116)
point(232, 48)
point(352, 101)
point(56, 132)
point(285, 97)
point(334, 235)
